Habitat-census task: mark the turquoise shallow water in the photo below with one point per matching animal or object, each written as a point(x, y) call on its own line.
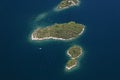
point(21, 59)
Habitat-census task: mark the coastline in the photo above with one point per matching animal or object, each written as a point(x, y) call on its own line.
point(46, 38)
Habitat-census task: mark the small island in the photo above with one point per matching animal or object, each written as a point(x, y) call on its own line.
point(74, 53)
point(64, 4)
point(65, 31)
point(71, 63)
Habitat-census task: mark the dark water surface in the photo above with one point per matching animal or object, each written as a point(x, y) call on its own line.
point(21, 59)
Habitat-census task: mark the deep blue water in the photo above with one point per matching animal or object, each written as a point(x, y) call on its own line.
point(20, 59)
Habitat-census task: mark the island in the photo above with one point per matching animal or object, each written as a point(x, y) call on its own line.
point(74, 53)
point(65, 31)
point(64, 4)
point(71, 63)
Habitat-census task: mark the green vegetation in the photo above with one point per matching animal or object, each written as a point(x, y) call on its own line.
point(65, 30)
point(71, 63)
point(75, 51)
point(67, 3)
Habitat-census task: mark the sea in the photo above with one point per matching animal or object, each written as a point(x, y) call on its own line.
point(24, 59)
